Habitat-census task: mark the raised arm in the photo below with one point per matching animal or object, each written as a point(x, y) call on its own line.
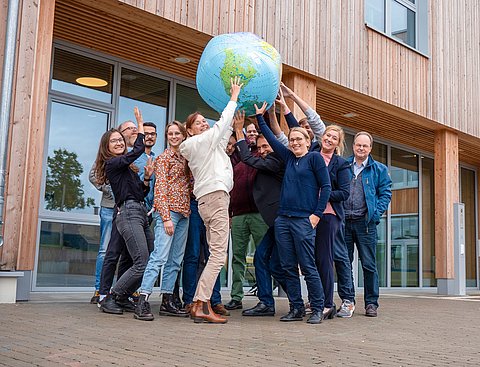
point(270, 164)
point(278, 147)
point(275, 126)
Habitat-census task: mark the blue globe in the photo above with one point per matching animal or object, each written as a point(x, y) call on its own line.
point(239, 54)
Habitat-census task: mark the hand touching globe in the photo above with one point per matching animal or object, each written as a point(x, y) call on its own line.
point(246, 55)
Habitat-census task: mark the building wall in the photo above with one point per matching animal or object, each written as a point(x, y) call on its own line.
point(329, 39)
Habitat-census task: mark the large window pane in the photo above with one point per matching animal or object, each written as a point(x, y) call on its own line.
point(150, 95)
point(72, 148)
point(428, 223)
point(67, 255)
point(82, 76)
point(375, 14)
point(187, 101)
point(402, 23)
point(404, 217)
point(468, 198)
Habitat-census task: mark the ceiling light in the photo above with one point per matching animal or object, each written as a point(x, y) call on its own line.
point(90, 81)
point(350, 115)
point(182, 60)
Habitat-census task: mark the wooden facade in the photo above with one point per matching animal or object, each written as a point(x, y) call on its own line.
point(331, 58)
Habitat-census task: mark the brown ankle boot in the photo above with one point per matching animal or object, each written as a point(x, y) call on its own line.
point(202, 312)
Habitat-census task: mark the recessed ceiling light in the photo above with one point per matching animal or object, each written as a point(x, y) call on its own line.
point(350, 115)
point(182, 60)
point(90, 81)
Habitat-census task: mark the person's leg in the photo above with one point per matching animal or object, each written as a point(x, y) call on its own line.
point(367, 248)
point(326, 233)
point(257, 227)
point(240, 239)
point(192, 254)
point(106, 218)
point(132, 224)
point(261, 262)
point(343, 267)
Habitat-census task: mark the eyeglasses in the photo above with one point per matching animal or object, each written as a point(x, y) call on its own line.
point(133, 128)
point(151, 134)
point(296, 140)
point(364, 146)
point(116, 141)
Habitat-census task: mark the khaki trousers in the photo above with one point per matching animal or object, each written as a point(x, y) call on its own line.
point(213, 209)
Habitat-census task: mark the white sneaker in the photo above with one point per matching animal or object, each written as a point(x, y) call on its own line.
point(346, 309)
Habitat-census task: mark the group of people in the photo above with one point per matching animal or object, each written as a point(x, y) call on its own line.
point(301, 203)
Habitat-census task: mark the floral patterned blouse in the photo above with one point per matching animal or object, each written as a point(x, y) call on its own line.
point(172, 185)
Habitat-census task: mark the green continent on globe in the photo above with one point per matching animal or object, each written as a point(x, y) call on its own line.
point(236, 65)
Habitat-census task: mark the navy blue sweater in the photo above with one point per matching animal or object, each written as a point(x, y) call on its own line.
point(304, 178)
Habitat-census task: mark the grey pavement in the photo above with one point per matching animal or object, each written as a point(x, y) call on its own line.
point(413, 329)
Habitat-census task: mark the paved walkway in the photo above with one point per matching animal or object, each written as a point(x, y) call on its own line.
point(411, 330)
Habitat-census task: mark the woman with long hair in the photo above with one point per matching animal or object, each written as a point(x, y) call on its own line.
point(213, 180)
point(115, 166)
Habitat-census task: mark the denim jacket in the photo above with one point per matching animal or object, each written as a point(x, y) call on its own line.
point(377, 186)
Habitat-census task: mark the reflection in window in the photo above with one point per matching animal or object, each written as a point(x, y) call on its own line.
point(69, 68)
point(428, 223)
point(402, 23)
point(67, 255)
point(187, 101)
point(72, 147)
point(468, 198)
point(150, 95)
point(404, 219)
point(374, 14)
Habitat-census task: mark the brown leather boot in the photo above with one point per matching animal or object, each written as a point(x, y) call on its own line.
point(202, 312)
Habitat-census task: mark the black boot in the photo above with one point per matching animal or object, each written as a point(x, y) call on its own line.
point(295, 314)
point(169, 308)
point(126, 303)
point(142, 311)
point(109, 305)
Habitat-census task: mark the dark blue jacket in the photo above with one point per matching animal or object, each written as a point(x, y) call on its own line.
point(377, 187)
point(340, 177)
point(304, 178)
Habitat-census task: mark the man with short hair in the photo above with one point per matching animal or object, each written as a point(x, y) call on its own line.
point(370, 195)
point(129, 131)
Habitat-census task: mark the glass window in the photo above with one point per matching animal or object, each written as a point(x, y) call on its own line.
point(402, 23)
point(150, 95)
point(469, 199)
point(428, 223)
point(73, 140)
point(187, 101)
point(67, 255)
point(82, 76)
point(404, 219)
point(375, 14)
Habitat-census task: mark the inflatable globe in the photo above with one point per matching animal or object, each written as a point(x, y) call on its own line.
point(239, 54)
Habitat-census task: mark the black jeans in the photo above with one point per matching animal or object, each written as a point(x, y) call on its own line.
point(132, 224)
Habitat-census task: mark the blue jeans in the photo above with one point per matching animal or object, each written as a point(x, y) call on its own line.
point(132, 224)
point(365, 237)
point(296, 246)
point(196, 245)
point(167, 252)
point(106, 218)
point(324, 241)
point(343, 267)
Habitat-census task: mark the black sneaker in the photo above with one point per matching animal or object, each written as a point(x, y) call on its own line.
point(315, 318)
point(126, 303)
point(109, 305)
point(143, 311)
point(234, 305)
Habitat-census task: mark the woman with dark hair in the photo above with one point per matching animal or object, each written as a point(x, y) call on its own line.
point(172, 210)
point(304, 196)
point(213, 175)
point(115, 166)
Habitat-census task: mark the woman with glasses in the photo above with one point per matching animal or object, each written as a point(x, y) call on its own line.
point(115, 166)
point(301, 209)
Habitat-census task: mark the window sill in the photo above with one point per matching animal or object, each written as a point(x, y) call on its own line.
point(396, 40)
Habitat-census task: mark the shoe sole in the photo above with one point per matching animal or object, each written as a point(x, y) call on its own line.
point(111, 312)
point(314, 322)
point(297, 319)
point(143, 318)
point(234, 308)
point(370, 315)
point(199, 320)
point(163, 313)
point(259, 314)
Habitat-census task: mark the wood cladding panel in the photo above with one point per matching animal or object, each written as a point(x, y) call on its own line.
point(329, 40)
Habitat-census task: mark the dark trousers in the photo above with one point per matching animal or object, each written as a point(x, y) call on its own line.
point(296, 246)
point(195, 257)
point(365, 237)
point(343, 267)
point(132, 224)
point(267, 264)
point(324, 241)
